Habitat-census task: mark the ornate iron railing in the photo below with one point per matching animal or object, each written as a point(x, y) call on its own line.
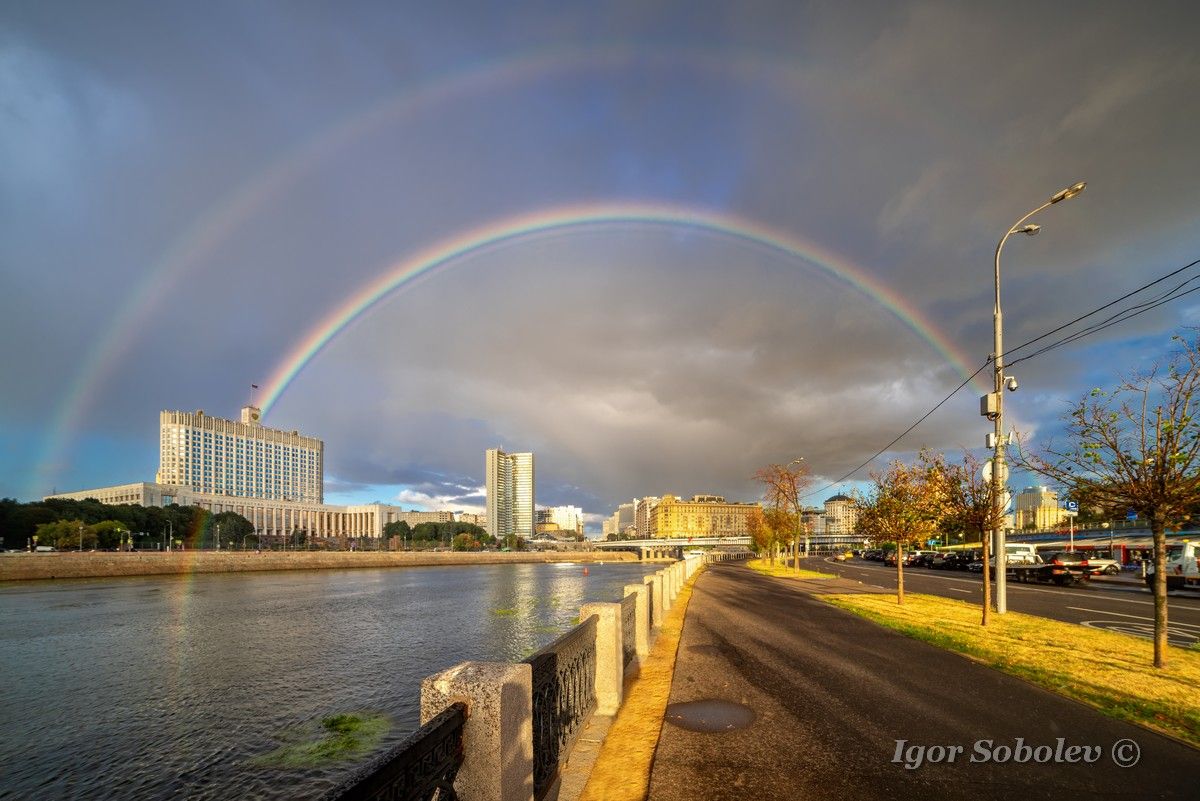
point(421, 768)
point(628, 629)
point(564, 695)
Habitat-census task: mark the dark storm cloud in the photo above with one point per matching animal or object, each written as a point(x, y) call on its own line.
point(901, 137)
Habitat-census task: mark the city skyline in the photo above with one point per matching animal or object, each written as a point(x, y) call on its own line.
point(659, 248)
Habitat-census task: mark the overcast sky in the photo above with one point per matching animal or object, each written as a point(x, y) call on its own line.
point(186, 190)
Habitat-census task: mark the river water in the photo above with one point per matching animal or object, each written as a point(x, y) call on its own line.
point(172, 687)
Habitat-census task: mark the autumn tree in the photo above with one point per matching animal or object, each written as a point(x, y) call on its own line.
point(1137, 449)
point(763, 534)
point(783, 486)
point(905, 504)
point(968, 508)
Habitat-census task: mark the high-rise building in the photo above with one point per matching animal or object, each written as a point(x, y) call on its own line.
point(244, 459)
point(641, 515)
point(510, 490)
point(567, 518)
point(1037, 508)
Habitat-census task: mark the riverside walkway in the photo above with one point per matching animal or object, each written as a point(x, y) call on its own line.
point(822, 696)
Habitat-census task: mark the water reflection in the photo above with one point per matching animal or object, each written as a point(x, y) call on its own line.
point(149, 687)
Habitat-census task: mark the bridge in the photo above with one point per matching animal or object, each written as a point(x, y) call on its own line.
point(670, 548)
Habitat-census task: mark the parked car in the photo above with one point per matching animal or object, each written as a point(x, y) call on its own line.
point(889, 558)
point(947, 560)
point(1109, 567)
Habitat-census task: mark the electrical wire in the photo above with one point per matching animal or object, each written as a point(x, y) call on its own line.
point(1121, 316)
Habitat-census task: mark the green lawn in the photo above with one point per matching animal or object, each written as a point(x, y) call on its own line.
point(1109, 671)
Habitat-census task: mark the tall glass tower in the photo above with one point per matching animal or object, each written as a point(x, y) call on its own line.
point(510, 490)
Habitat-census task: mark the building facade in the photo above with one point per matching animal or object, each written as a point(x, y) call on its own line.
point(641, 516)
point(270, 518)
point(702, 516)
point(569, 519)
point(1037, 509)
point(510, 492)
point(243, 459)
point(841, 516)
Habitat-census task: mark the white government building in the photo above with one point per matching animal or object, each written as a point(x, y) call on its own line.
point(273, 478)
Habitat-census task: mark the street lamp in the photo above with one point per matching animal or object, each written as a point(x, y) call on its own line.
point(800, 530)
point(993, 404)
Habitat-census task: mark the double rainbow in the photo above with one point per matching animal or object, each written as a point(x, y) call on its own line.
point(510, 230)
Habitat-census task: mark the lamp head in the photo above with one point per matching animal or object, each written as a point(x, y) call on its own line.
point(1030, 229)
point(1068, 193)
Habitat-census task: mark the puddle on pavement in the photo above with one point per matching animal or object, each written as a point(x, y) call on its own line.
point(710, 716)
point(708, 650)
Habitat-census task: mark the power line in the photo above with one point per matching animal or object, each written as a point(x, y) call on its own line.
point(1121, 316)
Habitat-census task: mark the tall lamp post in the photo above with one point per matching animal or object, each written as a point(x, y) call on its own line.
point(799, 526)
point(992, 405)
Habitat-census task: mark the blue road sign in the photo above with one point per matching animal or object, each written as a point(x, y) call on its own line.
point(1072, 506)
point(1131, 515)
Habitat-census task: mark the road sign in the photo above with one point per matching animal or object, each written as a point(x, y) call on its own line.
point(1131, 515)
point(1069, 513)
point(986, 472)
point(1072, 506)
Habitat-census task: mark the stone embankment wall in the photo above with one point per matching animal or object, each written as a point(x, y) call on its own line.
point(28, 566)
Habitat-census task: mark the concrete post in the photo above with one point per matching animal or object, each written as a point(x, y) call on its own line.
point(498, 735)
point(610, 670)
point(654, 585)
point(641, 619)
point(666, 590)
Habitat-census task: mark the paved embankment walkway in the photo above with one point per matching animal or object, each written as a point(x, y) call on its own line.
point(832, 694)
point(30, 566)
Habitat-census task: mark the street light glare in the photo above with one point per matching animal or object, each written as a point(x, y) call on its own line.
point(1068, 193)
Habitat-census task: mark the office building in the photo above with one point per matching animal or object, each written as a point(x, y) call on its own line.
point(510, 492)
point(244, 459)
point(641, 516)
point(1037, 509)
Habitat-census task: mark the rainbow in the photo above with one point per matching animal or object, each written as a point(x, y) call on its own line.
point(558, 219)
point(230, 212)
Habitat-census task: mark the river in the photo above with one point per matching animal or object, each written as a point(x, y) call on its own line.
point(177, 687)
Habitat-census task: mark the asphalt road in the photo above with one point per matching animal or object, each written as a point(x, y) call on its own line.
point(832, 694)
point(1114, 604)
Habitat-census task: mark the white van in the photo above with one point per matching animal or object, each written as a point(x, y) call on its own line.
point(1020, 553)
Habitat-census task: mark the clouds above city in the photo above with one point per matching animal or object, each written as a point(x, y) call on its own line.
point(188, 193)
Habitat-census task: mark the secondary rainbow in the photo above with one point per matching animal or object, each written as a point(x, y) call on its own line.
point(456, 248)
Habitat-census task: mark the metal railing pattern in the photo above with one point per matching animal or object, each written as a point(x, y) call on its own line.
point(421, 768)
point(564, 695)
point(628, 629)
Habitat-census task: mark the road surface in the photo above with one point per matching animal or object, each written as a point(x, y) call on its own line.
point(833, 695)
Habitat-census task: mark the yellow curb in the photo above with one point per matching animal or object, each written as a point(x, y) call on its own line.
point(622, 769)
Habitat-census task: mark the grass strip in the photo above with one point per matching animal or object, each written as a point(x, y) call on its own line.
point(622, 769)
point(1109, 671)
point(779, 570)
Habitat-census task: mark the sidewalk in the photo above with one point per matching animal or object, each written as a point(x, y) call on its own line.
point(824, 697)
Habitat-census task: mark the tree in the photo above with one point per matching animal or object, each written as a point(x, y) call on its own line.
point(1137, 449)
point(782, 487)
point(969, 509)
point(66, 535)
point(397, 528)
point(763, 535)
point(108, 533)
point(234, 529)
point(905, 504)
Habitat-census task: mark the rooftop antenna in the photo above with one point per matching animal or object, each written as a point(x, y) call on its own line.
point(252, 388)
